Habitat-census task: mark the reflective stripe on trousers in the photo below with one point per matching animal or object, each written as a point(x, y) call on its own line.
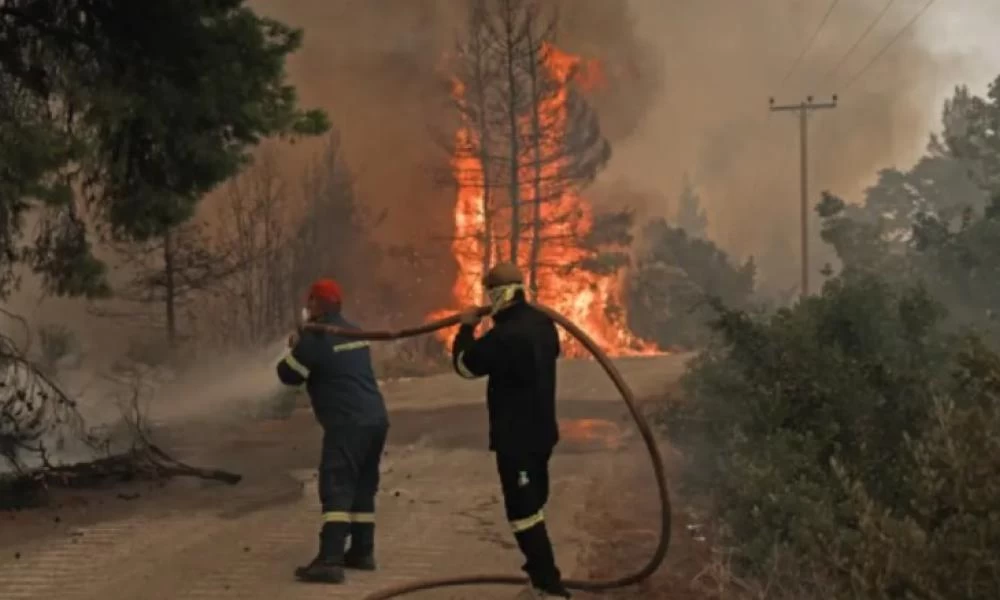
point(527, 523)
point(348, 517)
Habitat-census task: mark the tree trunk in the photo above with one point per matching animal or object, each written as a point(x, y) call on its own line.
point(484, 159)
point(536, 184)
point(169, 287)
point(515, 146)
point(487, 213)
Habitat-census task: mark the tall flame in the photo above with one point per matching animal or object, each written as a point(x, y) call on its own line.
point(593, 301)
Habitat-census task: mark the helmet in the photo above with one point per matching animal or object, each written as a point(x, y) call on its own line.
point(504, 285)
point(326, 290)
point(505, 273)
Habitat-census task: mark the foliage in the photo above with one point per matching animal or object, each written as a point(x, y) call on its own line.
point(936, 224)
point(691, 216)
point(334, 236)
point(172, 270)
point(852, 436)
point(957, 263)
point(57, 344)
point(104, 95)
point(673, 280)
point(279, 234)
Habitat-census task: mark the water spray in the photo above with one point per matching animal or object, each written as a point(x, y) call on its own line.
point(659, 554)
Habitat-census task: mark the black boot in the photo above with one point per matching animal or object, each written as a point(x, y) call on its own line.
point(361, 554)
point(328, 566)
point(541, 562)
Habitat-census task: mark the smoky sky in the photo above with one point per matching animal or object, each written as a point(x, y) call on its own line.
point(685, 91)
point(722, 60)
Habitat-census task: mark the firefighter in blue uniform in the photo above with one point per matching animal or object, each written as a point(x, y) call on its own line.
point(519, 355)
point(337, 373)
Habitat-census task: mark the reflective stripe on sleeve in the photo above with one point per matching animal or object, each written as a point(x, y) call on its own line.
point(462, 369)
point(296, 366)
point(527, 523)
point(350, 346)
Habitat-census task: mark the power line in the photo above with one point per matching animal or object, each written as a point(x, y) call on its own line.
point(812, 41)
point(885, 48)
point(864, 35)
point(804, 108)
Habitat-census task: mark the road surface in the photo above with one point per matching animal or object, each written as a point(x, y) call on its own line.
point(439, 508)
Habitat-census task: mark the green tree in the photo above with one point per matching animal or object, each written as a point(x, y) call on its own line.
point(146, 106)
point(848, 445)
point(932, 225)
point(969, 134)
point(171, 270)
point(674, 280)
point(690, 215)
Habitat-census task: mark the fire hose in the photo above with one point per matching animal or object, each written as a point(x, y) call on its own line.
point(659, 554)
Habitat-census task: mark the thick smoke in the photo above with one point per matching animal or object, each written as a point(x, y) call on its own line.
point(722, 60)
point(686, 89)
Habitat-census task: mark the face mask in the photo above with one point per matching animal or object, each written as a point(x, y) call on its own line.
point(502, 296)
point(305, 314)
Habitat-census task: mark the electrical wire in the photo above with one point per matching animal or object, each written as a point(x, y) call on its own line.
point(885, 48)
point(863, 37)
point(809, 45)
point(645, 431)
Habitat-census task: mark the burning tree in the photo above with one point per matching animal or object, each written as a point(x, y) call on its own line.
point(528, 144)
point(530, 138)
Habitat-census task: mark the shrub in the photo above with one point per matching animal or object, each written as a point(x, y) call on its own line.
point(850, 435)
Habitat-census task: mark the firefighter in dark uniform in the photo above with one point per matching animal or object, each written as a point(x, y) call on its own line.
point(519, 355)
point(337, 373)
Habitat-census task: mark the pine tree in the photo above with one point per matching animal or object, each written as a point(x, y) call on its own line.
point(691, 217)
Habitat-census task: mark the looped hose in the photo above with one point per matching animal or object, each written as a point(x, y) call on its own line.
point(659, 554)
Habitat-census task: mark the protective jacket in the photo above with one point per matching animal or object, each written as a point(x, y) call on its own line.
point(338, 375)
point(519, 355)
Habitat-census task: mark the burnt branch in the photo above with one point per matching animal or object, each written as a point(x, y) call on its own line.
point(39, 420)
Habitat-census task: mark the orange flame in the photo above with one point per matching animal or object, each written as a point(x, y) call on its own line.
point(593, 301)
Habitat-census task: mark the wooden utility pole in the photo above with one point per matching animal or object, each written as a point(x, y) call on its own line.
point(803, 109)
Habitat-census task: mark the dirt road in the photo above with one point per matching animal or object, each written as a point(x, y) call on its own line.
point(439, 509)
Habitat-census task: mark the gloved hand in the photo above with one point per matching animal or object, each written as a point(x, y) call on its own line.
point(469, 316)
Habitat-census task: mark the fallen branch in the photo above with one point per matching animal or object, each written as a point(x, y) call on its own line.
point(30, 488)
point(35, 411)
point(174, 468)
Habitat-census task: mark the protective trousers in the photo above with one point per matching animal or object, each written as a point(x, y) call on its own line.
point(524, 480)
point(348, 482)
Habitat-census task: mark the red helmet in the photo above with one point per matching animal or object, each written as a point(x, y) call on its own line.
point(326, 290)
